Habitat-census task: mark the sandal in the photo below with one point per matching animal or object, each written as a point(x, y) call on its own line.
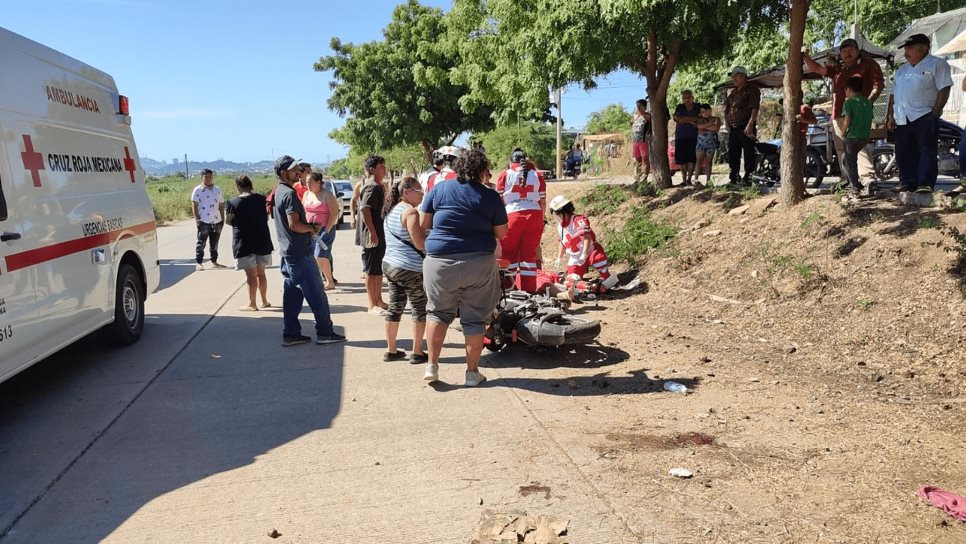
point(418, 358)
point(396, 356)
point(248, 309)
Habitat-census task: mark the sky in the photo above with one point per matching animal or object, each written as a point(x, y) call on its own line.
point(218, 79)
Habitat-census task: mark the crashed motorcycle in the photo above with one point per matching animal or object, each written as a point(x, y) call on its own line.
point(884, 155)
point(535, 320)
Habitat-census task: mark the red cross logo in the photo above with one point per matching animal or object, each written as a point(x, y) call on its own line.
point(129, 163)
point(33, 161)
point(522, 189)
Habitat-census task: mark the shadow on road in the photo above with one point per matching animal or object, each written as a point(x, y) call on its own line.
point(131, 428)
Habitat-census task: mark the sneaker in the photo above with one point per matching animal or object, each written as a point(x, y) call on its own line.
point(394, 356)
point(416, 359)
point(333, 338)
point(923, 189)
point(904, 189)
point(199, 267)
point(431, 374)
point(294, 341)
point(474, 378)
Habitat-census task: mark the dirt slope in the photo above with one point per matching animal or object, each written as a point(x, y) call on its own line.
point(825, 349)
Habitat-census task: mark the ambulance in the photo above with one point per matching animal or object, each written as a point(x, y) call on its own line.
point(78, 245)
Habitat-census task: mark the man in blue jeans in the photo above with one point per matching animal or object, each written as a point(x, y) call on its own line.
point(302, 280)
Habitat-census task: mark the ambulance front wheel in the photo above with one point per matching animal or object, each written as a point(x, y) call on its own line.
point(128, 307)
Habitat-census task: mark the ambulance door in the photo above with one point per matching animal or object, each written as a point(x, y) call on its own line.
point(19, 327)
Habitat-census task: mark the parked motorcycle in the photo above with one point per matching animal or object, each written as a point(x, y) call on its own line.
point(768, 170)
point(884, 155)
point(535, 320)
point(573, 169)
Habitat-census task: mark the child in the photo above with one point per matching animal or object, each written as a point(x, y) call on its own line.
point(708, 126)
point(579, 242)
point(858, 130)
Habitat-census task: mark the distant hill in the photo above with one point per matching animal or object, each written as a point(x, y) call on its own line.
point(221, 166)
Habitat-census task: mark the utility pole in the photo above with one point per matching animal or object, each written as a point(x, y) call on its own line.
point(559, 173)
point(186, 166)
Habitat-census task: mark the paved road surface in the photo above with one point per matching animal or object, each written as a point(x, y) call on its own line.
point(208, 431)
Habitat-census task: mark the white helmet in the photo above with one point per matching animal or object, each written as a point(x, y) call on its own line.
point(449, 152)
point(558, 202)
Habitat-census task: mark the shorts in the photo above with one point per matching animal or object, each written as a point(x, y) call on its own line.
point(251, 261)
point(708, 142)
point(328, 239)
point(468, 283)
point(684, 150)
point(372, 260)
point(641, 151)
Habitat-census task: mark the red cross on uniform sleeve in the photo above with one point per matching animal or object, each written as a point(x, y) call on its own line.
point(33, 161)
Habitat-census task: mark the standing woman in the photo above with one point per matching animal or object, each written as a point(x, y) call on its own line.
point(459, 273)
point(640, 139)
point(686, 135)
point(321, 208)
point(403, 267)
point(708, 126)
point(251, 241)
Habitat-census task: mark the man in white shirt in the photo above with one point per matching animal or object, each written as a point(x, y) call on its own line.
point(918, 97)
point(208, 207)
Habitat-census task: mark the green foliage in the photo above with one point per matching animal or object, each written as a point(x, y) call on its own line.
point(613, 118)
point(601, 199)
point(639, 235)
point(345, 169)
point(812, 219)
point(928, 222)
point(397, 91)
point(863, 303)
point(537, 139)
point(171, 195)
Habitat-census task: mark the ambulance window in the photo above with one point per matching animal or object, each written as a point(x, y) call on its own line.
point(3, 203)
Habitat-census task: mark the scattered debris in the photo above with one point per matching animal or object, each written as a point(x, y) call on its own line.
point(215, 356)
point(712, 233)
point(739, 210)
point(716, 298)
point(274, 534)
point(527, 490)
point(681, 473)
point(500, 527)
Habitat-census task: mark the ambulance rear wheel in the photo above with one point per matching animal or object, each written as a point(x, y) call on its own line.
point(128, 307)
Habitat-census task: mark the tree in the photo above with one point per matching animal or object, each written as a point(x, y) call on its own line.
point(537, 139)
point(397, 91)
point(613, 118)
point(514, 50)
point(793, 185)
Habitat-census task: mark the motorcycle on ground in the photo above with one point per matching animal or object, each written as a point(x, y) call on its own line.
point(535, 320)
point(884, 154)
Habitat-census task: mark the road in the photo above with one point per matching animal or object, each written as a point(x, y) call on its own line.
point(208, 430)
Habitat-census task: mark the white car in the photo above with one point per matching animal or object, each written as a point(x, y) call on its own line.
point(343, 191)
point(78, 243)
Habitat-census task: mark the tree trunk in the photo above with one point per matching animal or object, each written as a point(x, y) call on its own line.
point(428, 149)
point(658, 81)
point(793, 149)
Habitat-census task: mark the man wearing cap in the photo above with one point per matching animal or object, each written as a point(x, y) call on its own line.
point(741, 114)
point(918, 97)
point(851, 65)
point(208, 208)
point(302, 280)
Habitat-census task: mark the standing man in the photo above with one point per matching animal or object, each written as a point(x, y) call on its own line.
point(300, 272)
point(208, 208)
point(370, 233)
point(741, 114)
point(851, 65)
point(918, 97)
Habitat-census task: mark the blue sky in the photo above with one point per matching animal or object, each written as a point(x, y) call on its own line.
point(215, 79)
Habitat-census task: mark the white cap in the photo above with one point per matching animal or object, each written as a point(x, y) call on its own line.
point(558, 202)
point(450, 151)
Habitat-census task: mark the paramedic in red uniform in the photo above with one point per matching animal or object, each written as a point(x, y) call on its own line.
point(579, 242)
point(524, 193)
point(444, 159)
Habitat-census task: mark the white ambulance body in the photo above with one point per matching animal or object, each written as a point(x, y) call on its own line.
point(78, 246)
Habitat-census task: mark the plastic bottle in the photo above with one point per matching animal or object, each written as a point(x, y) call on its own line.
point(675, 387)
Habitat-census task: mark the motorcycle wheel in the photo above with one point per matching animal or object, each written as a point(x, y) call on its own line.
point(883, 164)
point(814, 168)
point(573, 330)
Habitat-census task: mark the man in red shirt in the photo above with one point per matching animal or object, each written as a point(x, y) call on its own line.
point(851, 65)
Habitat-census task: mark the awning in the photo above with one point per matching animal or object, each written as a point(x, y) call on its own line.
point(955, 45)
point(954, 22)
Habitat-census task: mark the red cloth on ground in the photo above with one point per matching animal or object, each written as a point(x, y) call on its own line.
point(951, 503)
